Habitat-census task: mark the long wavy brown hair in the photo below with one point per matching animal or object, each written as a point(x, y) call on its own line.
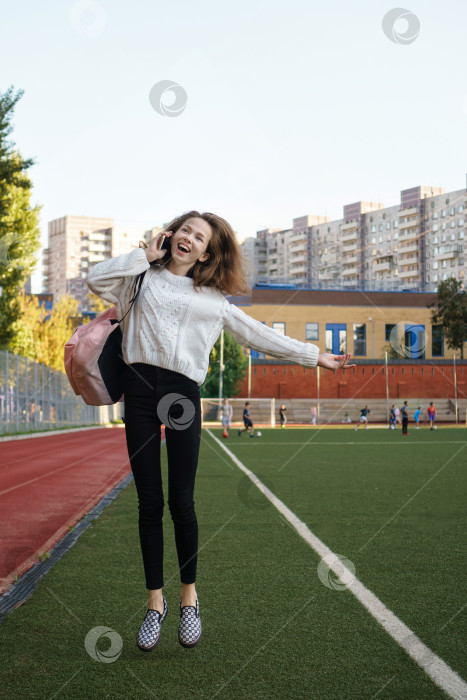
point(225, 267)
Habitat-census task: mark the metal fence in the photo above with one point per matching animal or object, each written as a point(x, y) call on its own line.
point(35, 397)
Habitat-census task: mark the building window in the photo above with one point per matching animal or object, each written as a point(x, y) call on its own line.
point(279, 326)
point(387, 330)
point(359, 339)
point(437, 341)
point(443, 212)
point(312, 331)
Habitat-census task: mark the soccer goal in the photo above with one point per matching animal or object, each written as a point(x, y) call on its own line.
point(262, 411)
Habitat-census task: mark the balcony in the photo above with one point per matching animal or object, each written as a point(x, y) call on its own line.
point(350, 259)
point(410, 236)
point(302, 246)
point(449, 252)
point(327, 274)
point(409, 260)
point(351, 225)
point(407, 212)
point(410, 248)
point(295, 237)
point(300, 257)
point(349, 236)
point(413, 221)
point(348, 248)
point(383, 266)
point(350, 271)
point(298, 269)
point(409, 273)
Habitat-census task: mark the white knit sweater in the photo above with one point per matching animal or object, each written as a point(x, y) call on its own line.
point(171, 325)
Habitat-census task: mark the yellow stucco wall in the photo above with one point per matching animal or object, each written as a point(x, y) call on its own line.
point(295, 318)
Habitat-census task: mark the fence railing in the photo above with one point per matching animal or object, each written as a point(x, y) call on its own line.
point(36, 397)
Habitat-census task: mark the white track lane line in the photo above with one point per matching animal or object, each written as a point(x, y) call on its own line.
point(438, 670)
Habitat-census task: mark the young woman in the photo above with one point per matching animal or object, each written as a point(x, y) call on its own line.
point(167, 339)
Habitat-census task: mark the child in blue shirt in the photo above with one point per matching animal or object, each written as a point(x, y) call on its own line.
point(416, 417)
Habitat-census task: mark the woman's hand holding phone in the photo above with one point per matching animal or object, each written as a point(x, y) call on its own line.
point(154, 251)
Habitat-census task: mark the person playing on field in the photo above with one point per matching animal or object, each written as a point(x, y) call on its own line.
point(398, 415)
point(314, 415)
point(191, 268)
point(392, 418)
point(416, 417)
point(227, 412)
point(405, 418)
point(363, 417)
point(282, 415)
point(431, 410)
point(247, 422)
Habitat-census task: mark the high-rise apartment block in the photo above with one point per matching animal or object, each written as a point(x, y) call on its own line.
point(412, 245)
point(76, 244)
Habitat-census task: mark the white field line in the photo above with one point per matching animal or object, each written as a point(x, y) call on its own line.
point(438, 670)
point(316, 443)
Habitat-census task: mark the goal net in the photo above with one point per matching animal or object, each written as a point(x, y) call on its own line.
point(262, 412)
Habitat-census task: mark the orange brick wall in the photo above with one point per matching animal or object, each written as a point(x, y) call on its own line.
point(367, 381)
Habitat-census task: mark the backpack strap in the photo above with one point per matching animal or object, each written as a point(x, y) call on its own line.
point(138, 282)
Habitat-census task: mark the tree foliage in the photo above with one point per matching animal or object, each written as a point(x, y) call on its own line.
point(97, 304)
point(450, 311)
point(235, 369)
point(40, 334)
point(19, 222)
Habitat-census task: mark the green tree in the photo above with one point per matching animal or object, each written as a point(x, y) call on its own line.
point(40, 334)
point(235, 369)
point(450, 311)
point(19, 222)
point(97, 304)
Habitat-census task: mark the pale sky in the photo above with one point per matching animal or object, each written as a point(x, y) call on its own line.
point(291, 108)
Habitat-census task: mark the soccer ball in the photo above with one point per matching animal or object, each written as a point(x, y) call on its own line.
point(258, 433)
point(435, 427)
point(225, 434)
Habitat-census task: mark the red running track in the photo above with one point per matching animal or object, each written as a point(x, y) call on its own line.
point(47, 484)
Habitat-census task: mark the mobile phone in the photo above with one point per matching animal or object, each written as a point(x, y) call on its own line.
point(165, 243)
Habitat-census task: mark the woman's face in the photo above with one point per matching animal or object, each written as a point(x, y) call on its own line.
point(190, 242)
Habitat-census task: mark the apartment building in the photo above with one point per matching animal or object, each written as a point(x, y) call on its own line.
point(412, 245)
point(76, 244)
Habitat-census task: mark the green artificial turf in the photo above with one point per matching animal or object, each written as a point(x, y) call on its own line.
point(271, 628)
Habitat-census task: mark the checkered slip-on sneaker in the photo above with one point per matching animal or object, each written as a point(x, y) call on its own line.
point(150, 631)
point(189, 630)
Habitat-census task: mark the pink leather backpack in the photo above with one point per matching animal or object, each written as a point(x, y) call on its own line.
point(93, 357)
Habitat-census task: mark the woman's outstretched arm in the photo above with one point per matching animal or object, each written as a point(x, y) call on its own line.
point(253, 334)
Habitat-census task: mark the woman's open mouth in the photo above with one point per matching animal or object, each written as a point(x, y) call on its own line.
point(181, 248)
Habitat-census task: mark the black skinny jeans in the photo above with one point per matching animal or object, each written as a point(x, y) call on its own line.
point(148, 404)
point(405, 422)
